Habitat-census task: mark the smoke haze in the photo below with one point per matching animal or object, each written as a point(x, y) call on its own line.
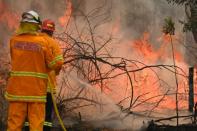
point(128, 21)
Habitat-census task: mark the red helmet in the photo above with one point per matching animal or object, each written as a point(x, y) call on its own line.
point(48, 25)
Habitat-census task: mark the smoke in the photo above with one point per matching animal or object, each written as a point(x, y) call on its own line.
point(135, 17)
point(11, 13)
point(127, 20)
point(148, 16)
point(105, 113)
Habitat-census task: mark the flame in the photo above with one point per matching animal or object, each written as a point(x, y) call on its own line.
point(166, 38)
point(8, 17)
point(152, 55)
point(195, 83)
point(64, 20)
point(116, 27)
point(144, 48)
point(147, 82)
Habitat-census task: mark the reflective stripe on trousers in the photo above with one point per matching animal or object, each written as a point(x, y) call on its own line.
point(45, 124)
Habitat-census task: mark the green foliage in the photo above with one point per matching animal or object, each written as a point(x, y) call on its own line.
point(187, 26)
point(191, 24)
point(168, 27)
point(181, 2)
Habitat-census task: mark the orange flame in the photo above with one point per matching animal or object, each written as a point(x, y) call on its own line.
point(64, 20)
point(147, 81)
point(144, 47)
point(152, 55)
point(8, 17)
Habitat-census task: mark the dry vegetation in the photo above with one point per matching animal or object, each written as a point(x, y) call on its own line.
point(87, 53)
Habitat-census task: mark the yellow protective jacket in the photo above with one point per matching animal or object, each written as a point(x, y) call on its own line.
point(31, 59)
point(57, 62)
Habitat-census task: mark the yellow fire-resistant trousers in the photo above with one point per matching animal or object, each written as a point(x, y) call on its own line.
point(18, 111)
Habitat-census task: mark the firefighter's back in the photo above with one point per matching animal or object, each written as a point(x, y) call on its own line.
point(29, 73)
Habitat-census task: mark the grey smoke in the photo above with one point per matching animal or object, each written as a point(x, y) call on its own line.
point(136, 17)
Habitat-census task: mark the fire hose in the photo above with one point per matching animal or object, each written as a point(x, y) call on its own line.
point(55, 106)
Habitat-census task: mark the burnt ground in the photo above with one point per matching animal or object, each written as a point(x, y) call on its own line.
point(151, 127)
point(186, 127)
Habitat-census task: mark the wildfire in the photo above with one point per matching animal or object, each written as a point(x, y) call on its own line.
point(144, 82)
point(151, 54)
point(64, 20)
point(144, 47)
point(148, 83)
point(8, 17)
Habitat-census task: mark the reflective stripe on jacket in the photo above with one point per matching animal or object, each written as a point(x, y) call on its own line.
point(58, 60)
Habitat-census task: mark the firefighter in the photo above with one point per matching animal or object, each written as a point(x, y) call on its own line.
point(31, 58)
point(47, 29)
